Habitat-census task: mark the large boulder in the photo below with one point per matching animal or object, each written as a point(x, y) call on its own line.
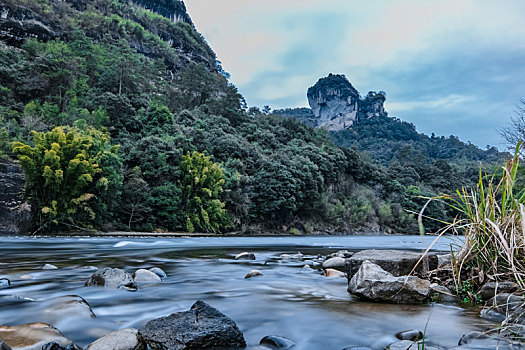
point(122, 339)
point(371, 282)
point(396, 262)
point(112, 278)
point(16, 214)
point(4, 346)
point(202, 327)
point(33, 336)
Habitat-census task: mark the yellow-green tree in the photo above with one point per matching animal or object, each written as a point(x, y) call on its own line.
point(65, 173)
point(201, 184)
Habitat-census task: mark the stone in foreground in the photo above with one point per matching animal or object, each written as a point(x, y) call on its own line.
point(202, 327)
point(112, 278)
point(122, 339)
point(276, 342)
point(4, 346)
point(373, 283)
point(33, 336)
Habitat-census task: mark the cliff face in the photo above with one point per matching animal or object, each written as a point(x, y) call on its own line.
point(127, 19)
point(15, 212)
point(336, 104)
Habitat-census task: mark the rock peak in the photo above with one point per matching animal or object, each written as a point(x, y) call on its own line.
point(337, 105)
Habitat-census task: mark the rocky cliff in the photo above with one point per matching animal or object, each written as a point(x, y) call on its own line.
point(175, 41)
point(337, 105)
point(15, 212)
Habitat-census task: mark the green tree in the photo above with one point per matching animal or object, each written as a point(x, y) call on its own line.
point(202, 183)
point(64, 174)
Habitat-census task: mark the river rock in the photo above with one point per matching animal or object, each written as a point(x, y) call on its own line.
point(254, 273)
point(341, 254)
point(122, 339)
point(442, 294)
point(505, 306)
point(56, 346)
point(396, 262)
point(145, 276)
point(32, 336)
point(306, 268)
point(331, 273)
point(159, 272)
point(335, 263)
point(4, 346)
point(67, 306)
point(202, 327)
point(412, 335)
point(482, 341)
point(49, 267)
point(245, 256)
point(357, 347)
point(491, 289)
point(112, 278)
point(373, 283)
point(276, 342)
point(4, 282)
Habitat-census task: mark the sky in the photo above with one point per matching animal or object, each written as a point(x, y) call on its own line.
point(451, 67)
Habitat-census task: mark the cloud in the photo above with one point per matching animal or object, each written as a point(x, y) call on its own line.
point(440, 62)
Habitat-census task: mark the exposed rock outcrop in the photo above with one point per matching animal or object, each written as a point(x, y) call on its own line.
point(18, 23)
point(336, 104)
point(15, 212)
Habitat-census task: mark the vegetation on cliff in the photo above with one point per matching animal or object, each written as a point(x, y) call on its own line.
point(116, 73)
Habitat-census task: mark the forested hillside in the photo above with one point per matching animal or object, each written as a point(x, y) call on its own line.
point(121, 119)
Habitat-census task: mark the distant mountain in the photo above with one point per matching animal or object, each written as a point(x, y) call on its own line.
point(363, 123)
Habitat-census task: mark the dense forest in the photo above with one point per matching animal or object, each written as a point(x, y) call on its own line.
point(123, 119)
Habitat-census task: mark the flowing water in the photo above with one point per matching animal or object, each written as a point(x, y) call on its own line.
point(314, 311)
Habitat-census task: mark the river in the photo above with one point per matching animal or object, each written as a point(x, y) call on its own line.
point(314, 311)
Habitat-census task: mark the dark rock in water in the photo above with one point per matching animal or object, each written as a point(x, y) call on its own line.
point(4, 282)
point(276, 342)
point(491, 289)
point(373, 283)
point(396, 262)
point(159, 272)
point(413, 335)
point(335, 263)
point(509, 306)
point(482, 341)
point(442, 294)
point(56, 346)
point(245, 256)
point(4, 346)
point(112, 278)
point(32, 336)
point(341, 254)
point(202, 327)
point(122, 339)
point(146, 276)
point(16, 214)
